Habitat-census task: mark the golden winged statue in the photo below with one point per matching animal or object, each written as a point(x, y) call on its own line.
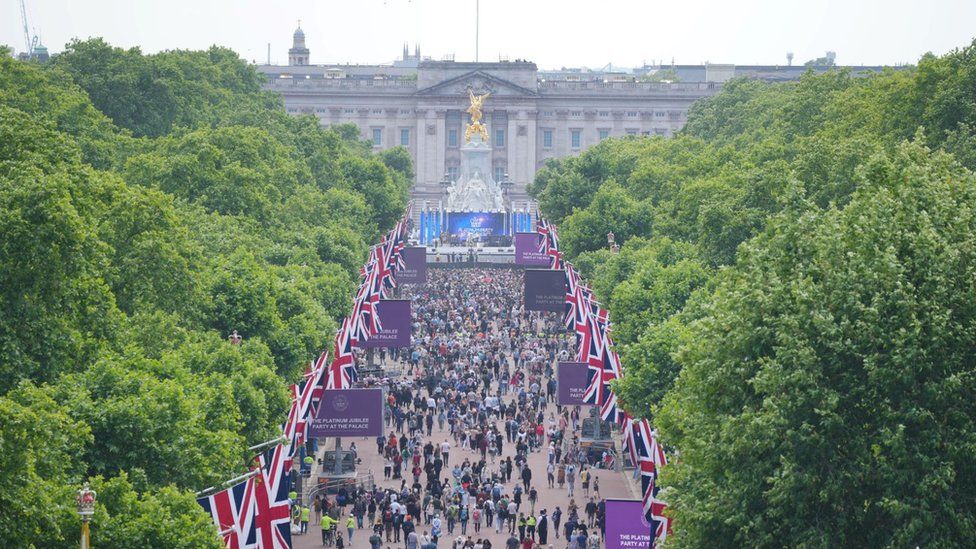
point(475, 111)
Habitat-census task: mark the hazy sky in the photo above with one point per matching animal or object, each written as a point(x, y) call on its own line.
point(552, 33)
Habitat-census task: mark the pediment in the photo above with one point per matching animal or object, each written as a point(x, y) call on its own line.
point(478, 81)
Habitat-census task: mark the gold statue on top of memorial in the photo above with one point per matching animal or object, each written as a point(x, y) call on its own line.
point(475, 111)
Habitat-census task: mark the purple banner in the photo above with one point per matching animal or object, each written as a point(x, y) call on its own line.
point(527, 251)
point(414, 266)
point(571, 380)
point(626, 525)
point(545, 290)
point(395, 318)
point(348, 413)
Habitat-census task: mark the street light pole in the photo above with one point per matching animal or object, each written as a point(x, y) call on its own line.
point(86, 508)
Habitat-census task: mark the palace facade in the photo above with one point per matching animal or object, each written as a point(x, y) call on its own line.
point(532, 115)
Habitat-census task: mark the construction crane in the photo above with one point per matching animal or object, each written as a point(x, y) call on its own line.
point(30, 41)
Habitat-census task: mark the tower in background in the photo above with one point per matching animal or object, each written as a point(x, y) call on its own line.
point(298, 54)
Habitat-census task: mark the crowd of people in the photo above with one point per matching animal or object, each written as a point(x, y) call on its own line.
point(473, 402)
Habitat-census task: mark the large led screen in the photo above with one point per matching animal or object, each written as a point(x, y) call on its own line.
point(481, 224)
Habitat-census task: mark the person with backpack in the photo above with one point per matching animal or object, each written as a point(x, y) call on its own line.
point(476, 519)
point(463, 518)
point(435, 527)
point(388, 522)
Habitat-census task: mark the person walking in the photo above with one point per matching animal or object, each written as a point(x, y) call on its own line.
point(306, 514)
point(571, 479)
point(351, 526)
point(557, 515)
point(328, 525)
point(463, 519)
point(590, 512)
point(542, 526)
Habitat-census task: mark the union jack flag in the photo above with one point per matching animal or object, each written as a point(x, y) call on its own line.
point(273, 518)
point(659, 521)
point(365, 315)
point(233, 511)
point(549, 243)
point(612, 370)
point(342, 370)
point(305, 398)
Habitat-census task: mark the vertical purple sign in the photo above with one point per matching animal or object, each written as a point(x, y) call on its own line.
point(527, 251)
point(545, 290)
point(414, 266)
point(626, 524)
point(348, 413)
point(571, 380)
point(395, 318)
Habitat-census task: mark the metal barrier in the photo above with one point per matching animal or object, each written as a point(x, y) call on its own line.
point(362, 479)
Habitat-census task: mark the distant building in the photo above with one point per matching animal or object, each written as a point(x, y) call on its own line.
point(298, 53)
point(532, 115)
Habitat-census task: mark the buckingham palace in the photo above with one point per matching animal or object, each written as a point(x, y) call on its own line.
point(532, 115)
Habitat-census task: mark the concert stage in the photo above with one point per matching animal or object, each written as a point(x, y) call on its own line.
point(465, 254)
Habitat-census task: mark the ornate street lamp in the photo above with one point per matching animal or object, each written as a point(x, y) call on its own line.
point(235, 338)
point(506, 185)
point(86, 508)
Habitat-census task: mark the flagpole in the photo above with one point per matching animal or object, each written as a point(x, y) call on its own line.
point(234, 480)
point(280, 440)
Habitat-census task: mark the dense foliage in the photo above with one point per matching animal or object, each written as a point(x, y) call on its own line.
point(793, 303)
point(149, 206)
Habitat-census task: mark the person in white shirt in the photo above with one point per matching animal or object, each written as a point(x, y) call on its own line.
point(445, 449)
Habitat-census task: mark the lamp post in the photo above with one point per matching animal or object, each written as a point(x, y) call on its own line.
point(86, 508)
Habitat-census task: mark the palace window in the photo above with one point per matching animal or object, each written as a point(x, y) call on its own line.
point(576, 114)
point(631, 131)
point(631, 114)
point(547, 139)
point(405, 137)
point(348, 111)
point(377, 137)
point(659, 114)
point(499, 174)
point(604, 114)
point(452, 173)
point(547, 114)
point(576, 138)
point(499, 137)
point(452, 138)
point(377, 111)
point(604, 134)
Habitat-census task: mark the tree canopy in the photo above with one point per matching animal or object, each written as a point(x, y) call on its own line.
point(792, 303)
point(150, 205)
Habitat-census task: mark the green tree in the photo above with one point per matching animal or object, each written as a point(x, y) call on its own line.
point(39, 446)
point(165, 518)
point(825, 396)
